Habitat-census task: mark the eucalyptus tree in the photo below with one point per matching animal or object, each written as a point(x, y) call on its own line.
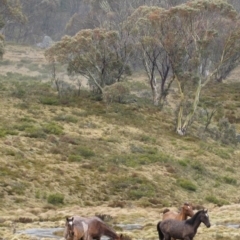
point(152, 53)
point(10, 12)
point(93, 53)
point(202, 40)
point(37, 14)
point(45, 17)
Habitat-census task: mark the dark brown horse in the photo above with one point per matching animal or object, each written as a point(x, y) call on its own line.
point(185, 230)
point(77, 228)
point(186, 211)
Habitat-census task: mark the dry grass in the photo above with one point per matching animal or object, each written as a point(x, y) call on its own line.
point(124, 156)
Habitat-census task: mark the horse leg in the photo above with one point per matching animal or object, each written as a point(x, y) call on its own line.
point(86, 236)
point(160, 234)
point(75, 237)
point(167, 237)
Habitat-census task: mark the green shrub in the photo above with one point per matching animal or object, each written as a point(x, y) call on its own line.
point(183, 162)
point(53, 128)
point(66, 118)
point(84, 151)
point(37, 194)
point(230, 180)
point(198, 167)
point(55, 199)
point(35, 132)
point(146, 138)
point(49, 100)
point(186, 184)
point(23, 126)
point(222, 154)
point(140, 156)
point(143, 190)
point(7, 131)
point(75, 158)
point(228, 131)
point(27, 119)
point(213, 199)
point(19, 93)
point(117, 92)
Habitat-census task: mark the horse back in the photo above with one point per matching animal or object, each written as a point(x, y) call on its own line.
point(170, 215)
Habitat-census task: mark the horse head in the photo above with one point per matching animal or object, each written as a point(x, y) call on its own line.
point(205, 218)
point(187, 209)
point(70, 226)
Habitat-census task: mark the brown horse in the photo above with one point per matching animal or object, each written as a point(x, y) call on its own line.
point(186, 211)
point(77, 228)
point(185, 230)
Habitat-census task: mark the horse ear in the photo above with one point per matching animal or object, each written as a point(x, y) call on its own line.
point(69, 219)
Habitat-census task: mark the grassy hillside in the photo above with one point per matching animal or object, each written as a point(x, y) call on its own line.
point(80, 152)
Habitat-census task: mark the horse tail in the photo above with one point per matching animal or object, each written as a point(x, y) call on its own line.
point(160, 234)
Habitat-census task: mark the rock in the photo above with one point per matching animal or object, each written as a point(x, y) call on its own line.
point(46, 43)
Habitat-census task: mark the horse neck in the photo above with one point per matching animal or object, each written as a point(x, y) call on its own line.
point(182, 215)
point(195, 220)
point(109, 233)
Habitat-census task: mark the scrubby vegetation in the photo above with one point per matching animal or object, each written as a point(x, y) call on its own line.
point(110, 152)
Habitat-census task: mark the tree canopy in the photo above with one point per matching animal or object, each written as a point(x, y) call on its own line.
point(10, 12)
point(96, 54)
point(198, 48)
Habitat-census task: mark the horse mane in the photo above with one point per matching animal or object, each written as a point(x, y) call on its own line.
point(193, 218)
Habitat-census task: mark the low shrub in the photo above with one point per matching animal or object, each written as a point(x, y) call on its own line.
point(75, 158)
point(53, 128)
point(49, 100)
point(55, 199)
point(215, 200)
point(186, 184)
point(84, 151)
point(117, 92)
point(198, 167)
point(35, 132)
point(183, 162)
point(230, 180)
point(5, 131)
